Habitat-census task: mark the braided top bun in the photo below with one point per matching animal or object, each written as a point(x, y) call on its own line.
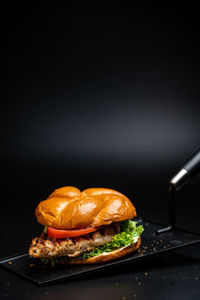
point(69, 208)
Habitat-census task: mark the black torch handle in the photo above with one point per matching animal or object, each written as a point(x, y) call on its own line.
point(189, 170)
point(193, 164)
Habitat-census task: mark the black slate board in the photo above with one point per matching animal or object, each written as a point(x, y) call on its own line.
point(152, 244)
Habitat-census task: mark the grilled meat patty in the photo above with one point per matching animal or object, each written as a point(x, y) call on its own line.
point(72, 247)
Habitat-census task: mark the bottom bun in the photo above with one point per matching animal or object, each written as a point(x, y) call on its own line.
point(108, 256)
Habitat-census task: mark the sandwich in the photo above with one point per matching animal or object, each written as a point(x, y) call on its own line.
point(88, 227)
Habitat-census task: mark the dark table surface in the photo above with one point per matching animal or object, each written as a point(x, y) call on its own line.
point(174, 275)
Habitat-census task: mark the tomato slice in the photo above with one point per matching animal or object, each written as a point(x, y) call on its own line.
point(61, 233)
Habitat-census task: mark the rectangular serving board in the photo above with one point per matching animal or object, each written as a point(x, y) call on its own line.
point(152, 244)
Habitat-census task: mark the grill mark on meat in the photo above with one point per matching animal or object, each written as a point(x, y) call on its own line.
point(72, 247)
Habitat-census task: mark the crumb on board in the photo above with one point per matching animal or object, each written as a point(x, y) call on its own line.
point(32, 265)
point(10, 262)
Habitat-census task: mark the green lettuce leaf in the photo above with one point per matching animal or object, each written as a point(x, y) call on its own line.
point(45, 229)
point(122, 239)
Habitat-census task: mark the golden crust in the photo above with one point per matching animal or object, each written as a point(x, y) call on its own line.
point(69, 208)
point(116, 254)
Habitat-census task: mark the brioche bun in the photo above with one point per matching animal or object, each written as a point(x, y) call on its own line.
point(69, 208)
point(108, 256)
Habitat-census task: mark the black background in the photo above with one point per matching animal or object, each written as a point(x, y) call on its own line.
point(97, 97)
